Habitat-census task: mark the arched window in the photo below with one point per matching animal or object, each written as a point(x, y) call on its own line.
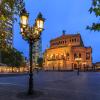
point(75, 55)
point(75, 39)
point(57, 56)
point(67, 56)
point(62, 56)
point(87, 56)
point(53, 57)
point(79, 55)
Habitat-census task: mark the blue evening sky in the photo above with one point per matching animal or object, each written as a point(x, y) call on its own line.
point(69, 15)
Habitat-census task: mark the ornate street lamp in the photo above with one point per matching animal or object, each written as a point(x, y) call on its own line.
point(31, 34)
point(78, 60)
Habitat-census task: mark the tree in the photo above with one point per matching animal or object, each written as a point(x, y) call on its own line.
point(7, 10)
point(95, 8)
point(10, 7)
point(12, 57)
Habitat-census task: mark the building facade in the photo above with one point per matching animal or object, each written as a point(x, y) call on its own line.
point(67, 52)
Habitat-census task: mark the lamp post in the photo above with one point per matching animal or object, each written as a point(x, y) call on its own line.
point(78, 60)
point(31, 34)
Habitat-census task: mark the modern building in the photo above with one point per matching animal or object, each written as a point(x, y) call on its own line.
point(67, 52)
point(9, 38)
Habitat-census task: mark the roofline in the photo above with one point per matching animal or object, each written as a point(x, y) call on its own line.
point(66, 35)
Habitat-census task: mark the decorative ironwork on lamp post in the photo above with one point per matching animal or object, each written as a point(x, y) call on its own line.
point(31, 34)
point(78, 60)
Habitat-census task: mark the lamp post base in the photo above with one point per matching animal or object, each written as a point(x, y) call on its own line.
point(30, 90)
point(25, 96)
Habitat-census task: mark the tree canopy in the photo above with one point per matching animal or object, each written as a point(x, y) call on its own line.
point(8, 8)
point(12, 57)
point(95, 8)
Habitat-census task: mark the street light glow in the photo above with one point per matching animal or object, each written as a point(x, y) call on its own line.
point(40, 24)
point(24, 18)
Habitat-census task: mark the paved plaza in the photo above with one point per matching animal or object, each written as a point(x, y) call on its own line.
point(52, 86)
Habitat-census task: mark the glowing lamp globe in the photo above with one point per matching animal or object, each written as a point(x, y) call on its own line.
point(24, 18)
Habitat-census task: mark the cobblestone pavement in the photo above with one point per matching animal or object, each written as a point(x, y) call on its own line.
point(52, 86)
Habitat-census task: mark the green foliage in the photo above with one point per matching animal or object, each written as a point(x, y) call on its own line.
point(95, 8)
point(8, 8)
point(95, 27)
point(12, 57)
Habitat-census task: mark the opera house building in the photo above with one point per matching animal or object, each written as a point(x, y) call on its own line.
point(67, 52)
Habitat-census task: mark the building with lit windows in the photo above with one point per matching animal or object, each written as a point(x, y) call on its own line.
point(64, 52)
